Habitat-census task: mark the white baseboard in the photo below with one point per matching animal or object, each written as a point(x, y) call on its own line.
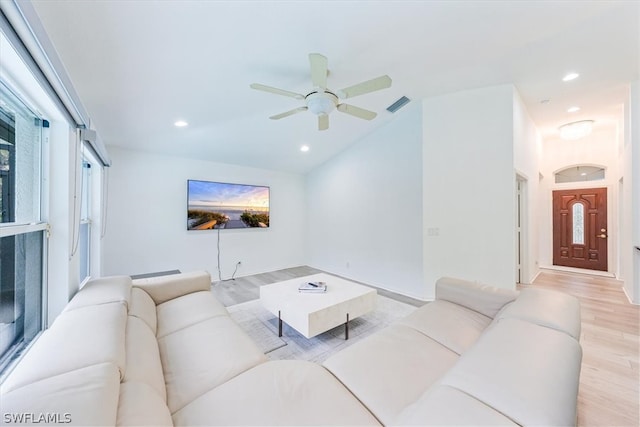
point(578, 270)
point(628, 297)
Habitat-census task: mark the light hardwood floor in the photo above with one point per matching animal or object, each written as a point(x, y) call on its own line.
point(247, 288)
point(610, 376)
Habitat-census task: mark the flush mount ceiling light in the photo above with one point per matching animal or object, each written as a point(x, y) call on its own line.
point(576, 130)
point(180, 124)
point(570, 76)
point(304, 148)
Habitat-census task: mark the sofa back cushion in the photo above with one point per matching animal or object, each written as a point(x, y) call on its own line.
point(143, 357)
point(527, 372)
point(485, 299)
point(78, 338)
point(551, 309)
point(143, 307)
point(84, 397)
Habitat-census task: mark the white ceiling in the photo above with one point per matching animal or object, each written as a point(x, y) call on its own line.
point(139, 66)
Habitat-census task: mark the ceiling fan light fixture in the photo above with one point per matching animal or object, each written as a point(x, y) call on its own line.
point(576, 130)
point(321, 102)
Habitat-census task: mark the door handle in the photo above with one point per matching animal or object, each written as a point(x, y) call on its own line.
point(602, 236)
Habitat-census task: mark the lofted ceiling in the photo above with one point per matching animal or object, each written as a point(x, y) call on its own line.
point(140, 65)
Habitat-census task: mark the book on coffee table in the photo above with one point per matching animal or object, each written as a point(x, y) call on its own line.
point(313, 287)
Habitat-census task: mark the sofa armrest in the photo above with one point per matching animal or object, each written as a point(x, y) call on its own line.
point(165, 288)
point(484, 299)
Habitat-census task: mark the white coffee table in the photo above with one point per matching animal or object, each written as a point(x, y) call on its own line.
point(314, 313)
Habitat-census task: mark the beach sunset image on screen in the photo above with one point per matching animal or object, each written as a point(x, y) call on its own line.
point(218, 205)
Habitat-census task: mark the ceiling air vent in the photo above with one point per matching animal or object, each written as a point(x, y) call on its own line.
point(398, 104)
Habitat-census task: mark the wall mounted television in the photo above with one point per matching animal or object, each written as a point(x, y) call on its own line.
point(219, 205)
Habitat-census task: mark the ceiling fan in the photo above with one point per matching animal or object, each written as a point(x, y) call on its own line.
point(321, 101)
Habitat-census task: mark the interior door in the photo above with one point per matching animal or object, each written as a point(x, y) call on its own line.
point(580, 228)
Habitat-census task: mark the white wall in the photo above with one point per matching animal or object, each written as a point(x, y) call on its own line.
point(630, 203)
point(527, 144)
point(635, 209)
point(469, 187)
point(365, 208)
point(599, 149)
point(146, 218)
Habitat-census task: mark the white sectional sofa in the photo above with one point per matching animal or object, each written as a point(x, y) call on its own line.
point(163, 351)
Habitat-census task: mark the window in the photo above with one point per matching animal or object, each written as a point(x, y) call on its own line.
point(578, 223)
point(22, 234)
point(84, 238)
point(580, 174)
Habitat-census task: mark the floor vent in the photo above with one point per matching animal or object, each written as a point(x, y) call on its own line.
point(398, 104)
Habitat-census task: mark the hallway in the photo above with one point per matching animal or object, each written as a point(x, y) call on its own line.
point(610, 377)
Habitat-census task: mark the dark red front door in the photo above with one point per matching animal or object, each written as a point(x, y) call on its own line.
point(580, 228)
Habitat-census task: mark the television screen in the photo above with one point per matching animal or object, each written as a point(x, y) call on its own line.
point(215, 205)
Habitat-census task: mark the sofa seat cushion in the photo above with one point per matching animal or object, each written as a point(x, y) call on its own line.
point(83, 397)
point(102, 291)
point(511, 370)
point(140, 405)
point(485, 299)
point(285, 392)
point(187, 310)
point(390, 369)
point(143, 357)
point(454, 326)
point(551, 309)
point(202, 356)
point(77, 339)
point(143, 307)
point(447, 406)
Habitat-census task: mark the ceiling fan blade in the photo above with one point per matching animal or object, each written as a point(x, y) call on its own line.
point(323, 122)
point(372, 85)
point(357, 111)
point(275, 90)
point(318, 70)
point(288, 113)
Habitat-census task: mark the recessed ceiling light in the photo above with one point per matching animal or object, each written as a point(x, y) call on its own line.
point(570, 76)
point(181, 124)
point(573, 109)
point(304, 148)
point(583, 174)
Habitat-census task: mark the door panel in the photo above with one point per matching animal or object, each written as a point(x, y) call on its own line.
point(580, 228)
